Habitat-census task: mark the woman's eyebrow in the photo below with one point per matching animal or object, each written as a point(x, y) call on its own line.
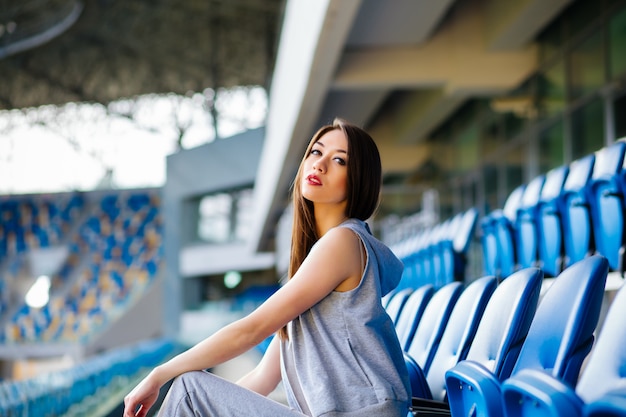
point(323, 146)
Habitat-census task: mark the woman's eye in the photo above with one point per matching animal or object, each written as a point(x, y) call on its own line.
point(341, 161)
point(315, 152)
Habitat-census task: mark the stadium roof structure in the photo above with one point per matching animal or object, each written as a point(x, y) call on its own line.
point(60, 51)
point(400, 69)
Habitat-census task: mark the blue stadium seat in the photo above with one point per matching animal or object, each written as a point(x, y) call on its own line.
point(434, 252)
point(501, 331)
point(455, 341)
point(526, 224)
point(601, 390)
point(431, 254)
point(577, 230)
point(607, 203)
point(427, 335)
point(461, 242)
point(454, 227)
point(412, 311)
point(549, 222)
point(489, 242)
point(559, 339)
point(504, 225)
point(53, 393)
point(413, 262)
point(396, 303)
point(442, 252)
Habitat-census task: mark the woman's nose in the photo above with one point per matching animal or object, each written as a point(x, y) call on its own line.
point(319, 165)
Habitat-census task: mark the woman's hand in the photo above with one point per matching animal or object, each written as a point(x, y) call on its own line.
point(142, 397)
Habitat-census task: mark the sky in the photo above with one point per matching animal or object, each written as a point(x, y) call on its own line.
point(71, 147)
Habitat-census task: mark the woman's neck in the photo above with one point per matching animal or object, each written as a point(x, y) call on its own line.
point(326, 218)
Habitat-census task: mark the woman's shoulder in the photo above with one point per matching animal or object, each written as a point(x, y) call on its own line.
point(358, 226)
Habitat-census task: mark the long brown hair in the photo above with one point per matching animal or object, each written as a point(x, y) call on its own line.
point(363, 191)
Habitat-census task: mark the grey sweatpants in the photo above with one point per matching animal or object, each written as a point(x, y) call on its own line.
point(203, 394)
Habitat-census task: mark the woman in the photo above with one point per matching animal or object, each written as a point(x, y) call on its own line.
point(336, 349)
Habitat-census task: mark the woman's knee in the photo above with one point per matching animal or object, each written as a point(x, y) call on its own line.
point(190, 381)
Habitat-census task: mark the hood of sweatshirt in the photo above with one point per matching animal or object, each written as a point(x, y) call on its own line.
point(389, 266)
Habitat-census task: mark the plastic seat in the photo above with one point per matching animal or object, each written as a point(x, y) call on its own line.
point(444, 274)
point(412, 312)
point(601, 390)
point(502, 328)
point(607, 203)
point(461, 242)
point(489, 242)
point(526, 224)
point(577, 230)
point(425, 340)
point(418, 258)
point(455, 340)
point(559, 339)
point(504, 228)
point(549, 222)
point(554, 224)
point(405, 251)
point(427, 263)
point(396, 303)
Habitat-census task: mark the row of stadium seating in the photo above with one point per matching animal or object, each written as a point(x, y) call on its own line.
point(553, 221)
point(82, 389)
point(561, 217)
point(114, 247)
point(486, 348)
point(29, 223)
point(438, 254)
point(36, 222)
point(553, 227)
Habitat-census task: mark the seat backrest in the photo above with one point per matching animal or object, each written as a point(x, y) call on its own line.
point(489, 245)
point(561, 333)
point(606, 368)
point(513, 202)
point(461, 242)
point(505, 322)
point(577, 230)
point(446, 256)
point(412, 312)
point(504, 224)
point(396, 303)
point(526, 223)
point(607, 202)
point(428, 333)
point(434, 249)
point(465, 230)
point(549, 226)
point(459, 332)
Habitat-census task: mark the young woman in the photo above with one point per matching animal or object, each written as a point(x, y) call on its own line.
point(336, 350)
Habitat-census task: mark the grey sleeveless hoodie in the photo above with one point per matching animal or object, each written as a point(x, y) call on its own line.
point(343, 357)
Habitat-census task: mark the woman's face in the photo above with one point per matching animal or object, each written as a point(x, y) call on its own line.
point(325, 173)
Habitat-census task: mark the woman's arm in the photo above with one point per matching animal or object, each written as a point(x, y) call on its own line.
point(334, 259)
point(264, 378)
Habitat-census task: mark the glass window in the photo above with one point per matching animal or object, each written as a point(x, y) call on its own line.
point(468, 148)
point(619, 111)
point(588, 129)
point(587, 66)
point(580, 15)
point(550, 41)
point(551, 143)
point(245, 214)
point(214, 223)
point(617, 44)
point(552, 90)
